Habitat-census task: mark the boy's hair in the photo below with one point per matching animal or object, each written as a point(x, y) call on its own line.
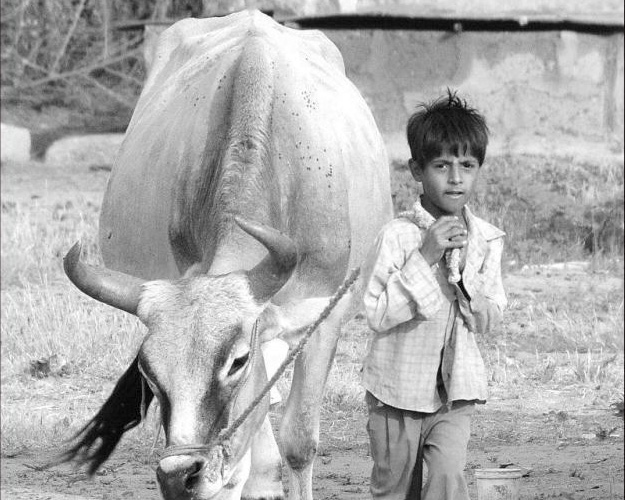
point(447, 122)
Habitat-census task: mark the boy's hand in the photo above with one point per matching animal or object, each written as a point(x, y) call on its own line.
point(446, 232)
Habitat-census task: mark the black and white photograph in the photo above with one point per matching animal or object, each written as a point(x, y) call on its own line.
point(312, 250)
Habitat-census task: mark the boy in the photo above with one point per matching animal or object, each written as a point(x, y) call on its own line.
point(433, 283)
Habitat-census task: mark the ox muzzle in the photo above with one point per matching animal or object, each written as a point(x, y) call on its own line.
point(195, 475)
point(219, 469)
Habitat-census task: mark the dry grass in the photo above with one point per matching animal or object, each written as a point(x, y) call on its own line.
point(62, 352)
point(552, 209)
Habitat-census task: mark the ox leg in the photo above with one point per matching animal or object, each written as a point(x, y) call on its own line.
point(265, 481)
point(299, 429)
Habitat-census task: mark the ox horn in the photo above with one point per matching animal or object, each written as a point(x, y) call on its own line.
point(271, 273)
point(110, 287)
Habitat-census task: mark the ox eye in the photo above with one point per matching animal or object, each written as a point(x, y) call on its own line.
point(238, 364)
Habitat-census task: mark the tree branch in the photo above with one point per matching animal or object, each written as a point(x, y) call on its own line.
point(28, 62)
point(124, 76)
point(68, 37)
point(160, 9)
point(80, 71)
point(111, 93)
point(18, 31)
point(106, 26)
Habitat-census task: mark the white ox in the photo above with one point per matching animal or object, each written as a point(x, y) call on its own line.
point(241, 119)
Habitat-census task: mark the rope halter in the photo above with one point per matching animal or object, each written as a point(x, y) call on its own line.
point(220, 447)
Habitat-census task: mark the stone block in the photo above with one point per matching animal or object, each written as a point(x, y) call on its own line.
point(14, 143)
point(98, 149)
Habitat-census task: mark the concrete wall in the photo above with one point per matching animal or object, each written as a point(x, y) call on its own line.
point(542, 92)
point(416, 7)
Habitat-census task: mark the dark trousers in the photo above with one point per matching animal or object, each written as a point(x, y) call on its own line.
point(402, 440)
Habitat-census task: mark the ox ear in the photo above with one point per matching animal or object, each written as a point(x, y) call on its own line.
point(289, 321)
point(122, 411)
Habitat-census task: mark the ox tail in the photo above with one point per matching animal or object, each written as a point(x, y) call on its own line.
point(122, 411)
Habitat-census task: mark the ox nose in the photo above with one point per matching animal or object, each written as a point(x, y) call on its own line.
point(179, 476)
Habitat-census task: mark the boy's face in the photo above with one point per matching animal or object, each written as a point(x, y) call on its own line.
point(448, 181)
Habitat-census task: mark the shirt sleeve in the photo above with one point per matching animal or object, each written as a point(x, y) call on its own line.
point(484, 310)
point(399, 288)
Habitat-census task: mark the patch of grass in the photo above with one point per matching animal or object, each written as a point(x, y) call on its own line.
point(44, 318)
point(552, 209)
point(586, 316)
point(88, 341)
point(40, 322)
point(45, 414)
point(591, 368)
point(43, 314)
point(36, 236)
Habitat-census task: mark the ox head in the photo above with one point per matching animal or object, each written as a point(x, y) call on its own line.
point(200, 358)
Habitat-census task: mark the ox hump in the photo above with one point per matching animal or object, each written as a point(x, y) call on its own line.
point(202, 39)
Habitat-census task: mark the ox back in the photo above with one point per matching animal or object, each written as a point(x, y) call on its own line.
point(243, 116)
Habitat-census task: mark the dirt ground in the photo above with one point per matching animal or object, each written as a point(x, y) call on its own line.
point(568, 441)
point(581, 465)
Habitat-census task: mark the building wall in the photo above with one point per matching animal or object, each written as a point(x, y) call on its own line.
point(417, 7)
point(541, 92)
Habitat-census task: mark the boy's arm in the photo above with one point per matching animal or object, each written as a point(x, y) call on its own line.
point(398, 289)
point(483, 310)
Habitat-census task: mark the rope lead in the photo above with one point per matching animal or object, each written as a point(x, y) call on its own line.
point(223, 439)
point(227, 433)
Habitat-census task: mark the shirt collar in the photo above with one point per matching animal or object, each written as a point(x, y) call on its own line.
point(481, 229)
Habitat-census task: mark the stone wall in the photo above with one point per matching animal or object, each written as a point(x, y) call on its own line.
point(542, 92)
point(416, 7)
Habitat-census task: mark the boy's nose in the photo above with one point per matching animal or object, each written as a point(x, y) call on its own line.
point(454, 174)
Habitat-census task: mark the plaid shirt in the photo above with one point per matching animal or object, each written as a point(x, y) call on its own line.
point(424, 327)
